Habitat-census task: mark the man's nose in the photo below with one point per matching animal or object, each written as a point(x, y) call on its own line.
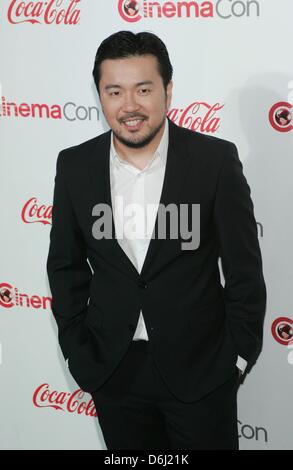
point(130, 102)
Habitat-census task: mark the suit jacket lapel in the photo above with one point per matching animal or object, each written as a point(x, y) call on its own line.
point(175, 173)
point(99, 170)
point(176, 170)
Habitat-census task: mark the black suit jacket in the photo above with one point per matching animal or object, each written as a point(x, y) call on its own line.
point(196, 327)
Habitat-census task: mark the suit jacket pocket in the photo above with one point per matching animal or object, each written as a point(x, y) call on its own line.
point(94, 316)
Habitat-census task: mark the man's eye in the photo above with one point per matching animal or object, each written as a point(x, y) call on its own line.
point(115, 93)
point(145, 90)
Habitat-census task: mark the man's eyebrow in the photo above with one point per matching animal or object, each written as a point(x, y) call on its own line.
point(145, 82)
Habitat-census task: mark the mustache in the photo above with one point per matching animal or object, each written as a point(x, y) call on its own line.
point(135, 116)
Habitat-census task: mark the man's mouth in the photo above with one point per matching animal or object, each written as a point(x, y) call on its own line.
point(133, 124)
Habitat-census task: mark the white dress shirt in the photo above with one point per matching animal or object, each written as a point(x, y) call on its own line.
point(141, 187)
point(131, 185)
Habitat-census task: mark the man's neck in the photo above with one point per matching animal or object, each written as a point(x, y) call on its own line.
point(139, 157)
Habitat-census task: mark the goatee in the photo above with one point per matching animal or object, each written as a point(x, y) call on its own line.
point(141, 143)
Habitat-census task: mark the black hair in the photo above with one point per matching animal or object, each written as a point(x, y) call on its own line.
point(126, 44)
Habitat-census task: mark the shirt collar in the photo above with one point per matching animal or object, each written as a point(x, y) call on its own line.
point(160, 153)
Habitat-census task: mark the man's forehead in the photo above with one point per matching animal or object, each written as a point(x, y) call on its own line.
point(132, 62)
point(134, 74)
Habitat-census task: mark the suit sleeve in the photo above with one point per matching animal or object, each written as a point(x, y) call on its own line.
point(68, 271)
point(245, 290)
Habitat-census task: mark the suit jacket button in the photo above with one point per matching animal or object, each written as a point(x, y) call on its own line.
point(142, 284)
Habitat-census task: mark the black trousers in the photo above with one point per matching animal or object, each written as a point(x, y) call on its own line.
point(136, 410)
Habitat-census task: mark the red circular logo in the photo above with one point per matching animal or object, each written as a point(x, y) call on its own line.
point(129, 10)
point(280, 116)
point(282, 330)
point(6, 296)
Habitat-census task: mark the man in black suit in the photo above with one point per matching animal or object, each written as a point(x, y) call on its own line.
point(143, 319)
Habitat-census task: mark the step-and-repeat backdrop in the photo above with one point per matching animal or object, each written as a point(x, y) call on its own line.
point(233, 78)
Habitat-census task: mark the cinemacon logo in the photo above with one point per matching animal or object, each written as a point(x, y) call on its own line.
point(254, 433)
point(134, 10)
point(282, 331)
point(280, 116)
point(11, 297)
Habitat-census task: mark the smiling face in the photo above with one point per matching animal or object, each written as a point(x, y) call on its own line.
point(133, 99)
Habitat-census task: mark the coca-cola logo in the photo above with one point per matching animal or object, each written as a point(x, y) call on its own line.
point(11, 297)
point(33, 212)
point(53, 11)
point(198, 116)
point(280, 116)
point(74, 402)
point(282, 330)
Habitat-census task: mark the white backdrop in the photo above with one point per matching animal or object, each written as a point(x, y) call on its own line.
point(232, 66)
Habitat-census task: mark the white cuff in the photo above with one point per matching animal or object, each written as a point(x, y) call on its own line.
point(241, 364)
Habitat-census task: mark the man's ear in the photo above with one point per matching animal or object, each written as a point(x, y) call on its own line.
point(169, 94)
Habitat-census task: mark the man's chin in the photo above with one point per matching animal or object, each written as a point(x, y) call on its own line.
point(137, 144)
